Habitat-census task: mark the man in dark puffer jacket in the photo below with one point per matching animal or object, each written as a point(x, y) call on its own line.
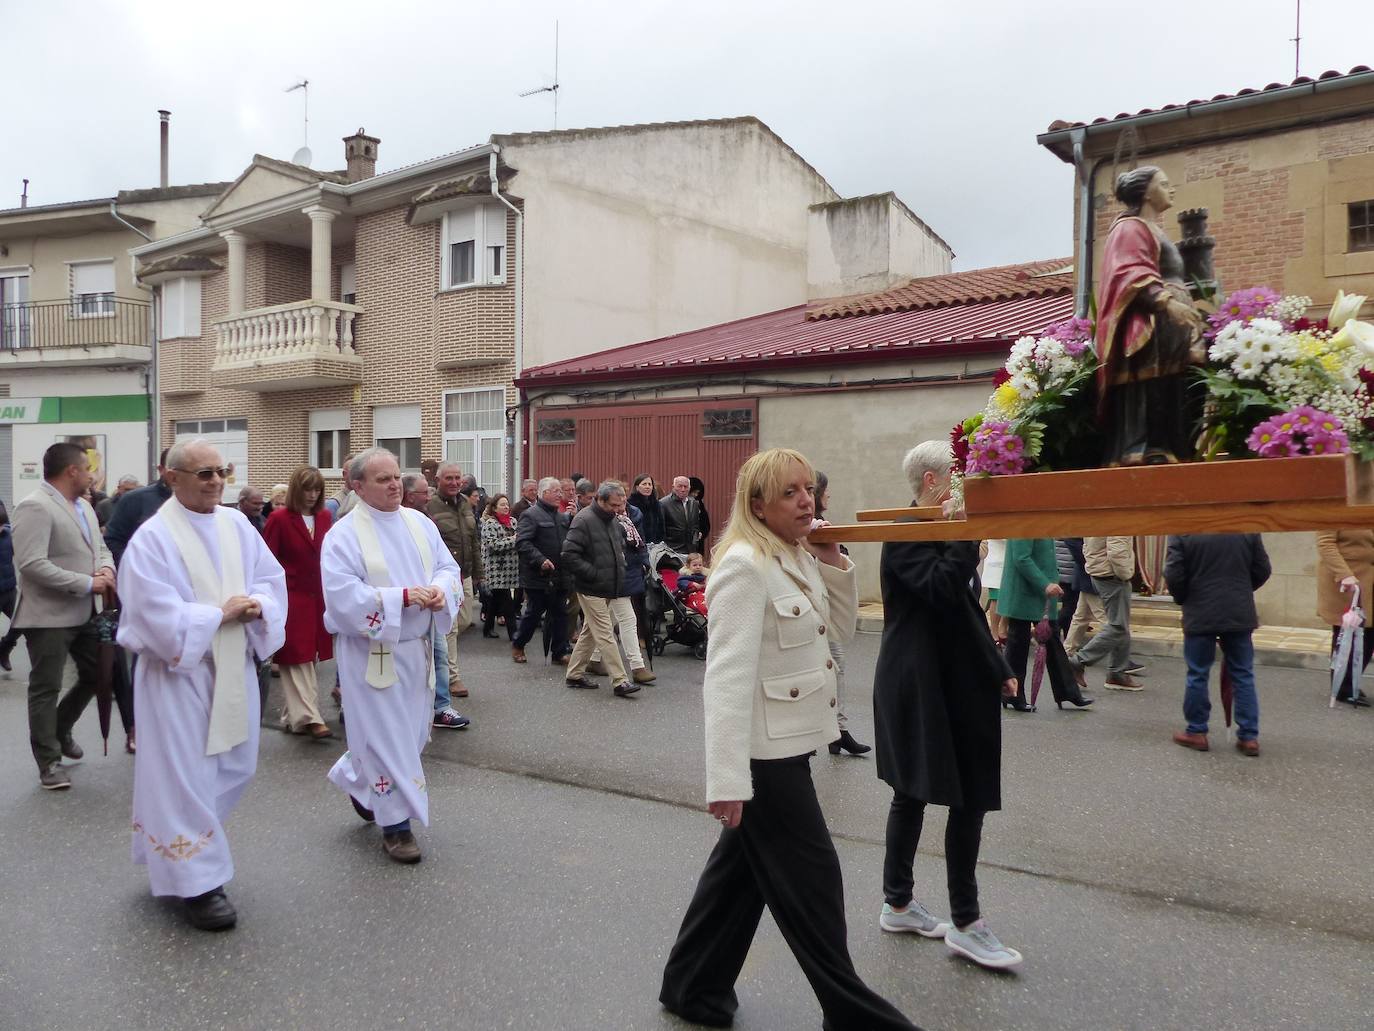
point(1214, 577)
point(594, 553)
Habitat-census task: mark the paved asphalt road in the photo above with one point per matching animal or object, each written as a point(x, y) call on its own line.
point(1148, 886)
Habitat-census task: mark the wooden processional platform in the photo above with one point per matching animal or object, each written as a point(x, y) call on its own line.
point(1267, 495)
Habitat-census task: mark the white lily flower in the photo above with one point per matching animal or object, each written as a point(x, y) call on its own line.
point(1358, 334)
point(1344, 308)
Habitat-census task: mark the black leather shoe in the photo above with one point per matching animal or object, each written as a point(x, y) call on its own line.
point(211, 911)
point(582, 683)
point(489, 633)
point(846, 742)
point(1018, 705)
point(362, 810)
point(71, 749)
point(1082, 701)
point(1360, 702)
point(5, 657)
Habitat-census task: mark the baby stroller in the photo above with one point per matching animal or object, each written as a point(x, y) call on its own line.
point(670, 618)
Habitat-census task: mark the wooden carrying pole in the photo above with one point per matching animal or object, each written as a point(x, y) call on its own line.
point(1270, 495)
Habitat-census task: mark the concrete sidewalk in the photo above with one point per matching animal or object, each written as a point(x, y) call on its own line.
point(1155, 631)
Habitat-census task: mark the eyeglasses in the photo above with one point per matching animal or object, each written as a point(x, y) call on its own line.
point(208, 474)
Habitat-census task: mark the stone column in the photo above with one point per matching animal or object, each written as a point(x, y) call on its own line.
point(238, 260)
point(321, 250)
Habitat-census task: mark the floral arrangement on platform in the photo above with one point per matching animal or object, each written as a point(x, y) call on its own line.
point(1278, 384)
point(1270, 369)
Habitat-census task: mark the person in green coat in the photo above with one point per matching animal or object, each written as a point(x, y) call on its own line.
point(1029, 593)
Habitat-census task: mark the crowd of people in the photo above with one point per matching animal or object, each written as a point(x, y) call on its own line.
point(384, 576)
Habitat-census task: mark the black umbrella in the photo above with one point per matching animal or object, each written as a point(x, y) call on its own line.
point(107, 654)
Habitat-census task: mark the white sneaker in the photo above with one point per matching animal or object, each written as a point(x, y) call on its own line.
point(979, 944)
point(914, 918)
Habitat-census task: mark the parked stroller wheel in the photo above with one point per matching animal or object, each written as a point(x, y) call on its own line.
point(660, 644)
point(700, 650)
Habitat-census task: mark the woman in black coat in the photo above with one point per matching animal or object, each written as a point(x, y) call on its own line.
point(644, 496)
point(937, 717)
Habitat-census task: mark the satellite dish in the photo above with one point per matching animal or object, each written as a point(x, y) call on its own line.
point(302, 157)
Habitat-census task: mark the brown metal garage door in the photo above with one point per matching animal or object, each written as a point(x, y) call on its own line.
point(706, 439)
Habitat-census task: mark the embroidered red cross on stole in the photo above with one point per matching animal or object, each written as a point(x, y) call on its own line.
point(373, 619)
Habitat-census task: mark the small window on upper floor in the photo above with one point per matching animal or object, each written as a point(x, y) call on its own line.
point(93, 288)
point(474, 247)
point(180, 308)
point(1361, 215)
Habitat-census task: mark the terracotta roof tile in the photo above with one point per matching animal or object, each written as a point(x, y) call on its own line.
point(1058, 125)
point(1000, 283)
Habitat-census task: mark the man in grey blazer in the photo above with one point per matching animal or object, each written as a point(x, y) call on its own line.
point(64, 568)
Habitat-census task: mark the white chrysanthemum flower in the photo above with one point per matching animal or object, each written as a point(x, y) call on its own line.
point(1247, 366)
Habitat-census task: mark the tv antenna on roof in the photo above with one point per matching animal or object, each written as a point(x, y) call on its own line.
point(554, 88)
point(303, 156)
point(1297, 43)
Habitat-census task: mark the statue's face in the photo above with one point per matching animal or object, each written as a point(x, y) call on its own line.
point(1160, 193)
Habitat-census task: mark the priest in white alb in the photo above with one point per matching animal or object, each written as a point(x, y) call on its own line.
point(201, 597)
point(390, 585)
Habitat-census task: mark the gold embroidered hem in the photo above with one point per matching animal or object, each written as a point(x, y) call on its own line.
point(178, 848)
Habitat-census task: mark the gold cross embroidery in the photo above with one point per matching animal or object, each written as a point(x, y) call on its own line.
point(380, 652)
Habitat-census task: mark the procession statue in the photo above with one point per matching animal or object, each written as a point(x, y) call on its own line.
point(1149, 334)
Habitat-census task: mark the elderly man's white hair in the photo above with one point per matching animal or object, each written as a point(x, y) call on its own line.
point(549, 482)
point(176, 457)
point(128, 478)
point(929, 456)
point(246, 491)
point(357, 468)
point(411, 481)
point(450, 464)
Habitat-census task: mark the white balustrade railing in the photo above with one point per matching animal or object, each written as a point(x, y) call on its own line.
point(301, 329)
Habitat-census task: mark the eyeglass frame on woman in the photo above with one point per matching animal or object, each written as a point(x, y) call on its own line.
point(208, 473)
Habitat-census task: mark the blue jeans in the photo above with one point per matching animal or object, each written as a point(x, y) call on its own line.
point(442, 699)
point(1238, 652)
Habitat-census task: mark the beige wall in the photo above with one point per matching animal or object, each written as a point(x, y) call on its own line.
point(633, 235)
point(47, 257)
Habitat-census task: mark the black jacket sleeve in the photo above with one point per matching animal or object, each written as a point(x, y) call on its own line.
point(1260, 567)
point(935, 573)
point(578, 551)
point(1176, 570)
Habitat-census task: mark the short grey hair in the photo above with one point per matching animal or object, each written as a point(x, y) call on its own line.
point(530, 483)
point(549, 482)
point(177, 455)
point(447, 465)
point(128, 478)
point(246, 490)
point(929, 456)
point(585, 486)
point(409, 481)
point(607, 490)
point(357, 467)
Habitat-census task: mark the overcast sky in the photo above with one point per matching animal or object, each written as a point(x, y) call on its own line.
point(939, 101)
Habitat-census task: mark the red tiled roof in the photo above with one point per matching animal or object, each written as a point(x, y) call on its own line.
point(1000, 283)
point(1059, 125)
point(787, 339)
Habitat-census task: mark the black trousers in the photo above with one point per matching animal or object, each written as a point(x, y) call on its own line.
point(1067, 606)
point(780, 856)
point(1344, 691)
point(500, 603)
point(1057, 669)
point(536, 602)
point(50, 720)
point(963, 836)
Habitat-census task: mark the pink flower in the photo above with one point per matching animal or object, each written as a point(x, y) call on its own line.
point(995, 450)
point(1304, 430)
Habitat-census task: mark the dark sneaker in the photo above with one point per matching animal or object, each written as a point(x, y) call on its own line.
point(1122, 682)
point(450, 719)
point(401, 847)
point(54, 778)
point(71, 749)
point(582, 683)
point(211, 911)
point(1079, 677)
point(624, 689)
point(1134, 668)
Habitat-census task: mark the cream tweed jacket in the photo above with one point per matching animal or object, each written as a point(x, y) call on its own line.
point(770, 689)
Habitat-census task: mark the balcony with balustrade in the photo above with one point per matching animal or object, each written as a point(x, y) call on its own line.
point(90, 330)
point(293, 346)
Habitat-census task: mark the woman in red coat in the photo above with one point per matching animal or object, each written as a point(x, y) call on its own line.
point(294, 533)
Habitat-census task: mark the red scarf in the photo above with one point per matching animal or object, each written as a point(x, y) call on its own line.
point(504, 520)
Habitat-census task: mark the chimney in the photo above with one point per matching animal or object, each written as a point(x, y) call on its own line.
point(24, 197)
point(361, 151)
point(164, 117)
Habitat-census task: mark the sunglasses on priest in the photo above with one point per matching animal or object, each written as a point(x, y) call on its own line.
point(209, 473)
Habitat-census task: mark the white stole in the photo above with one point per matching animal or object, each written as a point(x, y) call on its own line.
point(381, 673)
point(229, 706)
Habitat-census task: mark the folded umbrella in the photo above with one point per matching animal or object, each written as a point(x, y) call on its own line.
point(1349, 648)
point(107, 654)
point(1043, 631)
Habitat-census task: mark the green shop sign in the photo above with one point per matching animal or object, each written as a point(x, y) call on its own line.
point(109, 408)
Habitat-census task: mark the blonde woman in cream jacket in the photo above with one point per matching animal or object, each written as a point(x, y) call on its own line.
point(770, 695)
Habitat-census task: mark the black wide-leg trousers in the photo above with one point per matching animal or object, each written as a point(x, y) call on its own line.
point(780, 856)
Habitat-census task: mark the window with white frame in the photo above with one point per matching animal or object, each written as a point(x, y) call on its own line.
point(348, 283)
point(329, 431)
point(475, 434)
point(93, 288)
point(474, 242)
point(180, 308)
point(397, 428)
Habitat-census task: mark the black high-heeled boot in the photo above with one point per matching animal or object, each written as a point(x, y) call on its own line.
point(848, 743)
point(1082, 701)
point(1019, 704)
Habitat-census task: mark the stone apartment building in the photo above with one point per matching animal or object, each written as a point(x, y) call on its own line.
point(314, 313)
point(76, 326)
point(1287, 175)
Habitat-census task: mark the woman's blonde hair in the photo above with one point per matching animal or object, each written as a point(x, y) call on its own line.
point(763, 477)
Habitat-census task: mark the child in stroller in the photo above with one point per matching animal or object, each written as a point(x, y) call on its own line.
point(677, 603)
